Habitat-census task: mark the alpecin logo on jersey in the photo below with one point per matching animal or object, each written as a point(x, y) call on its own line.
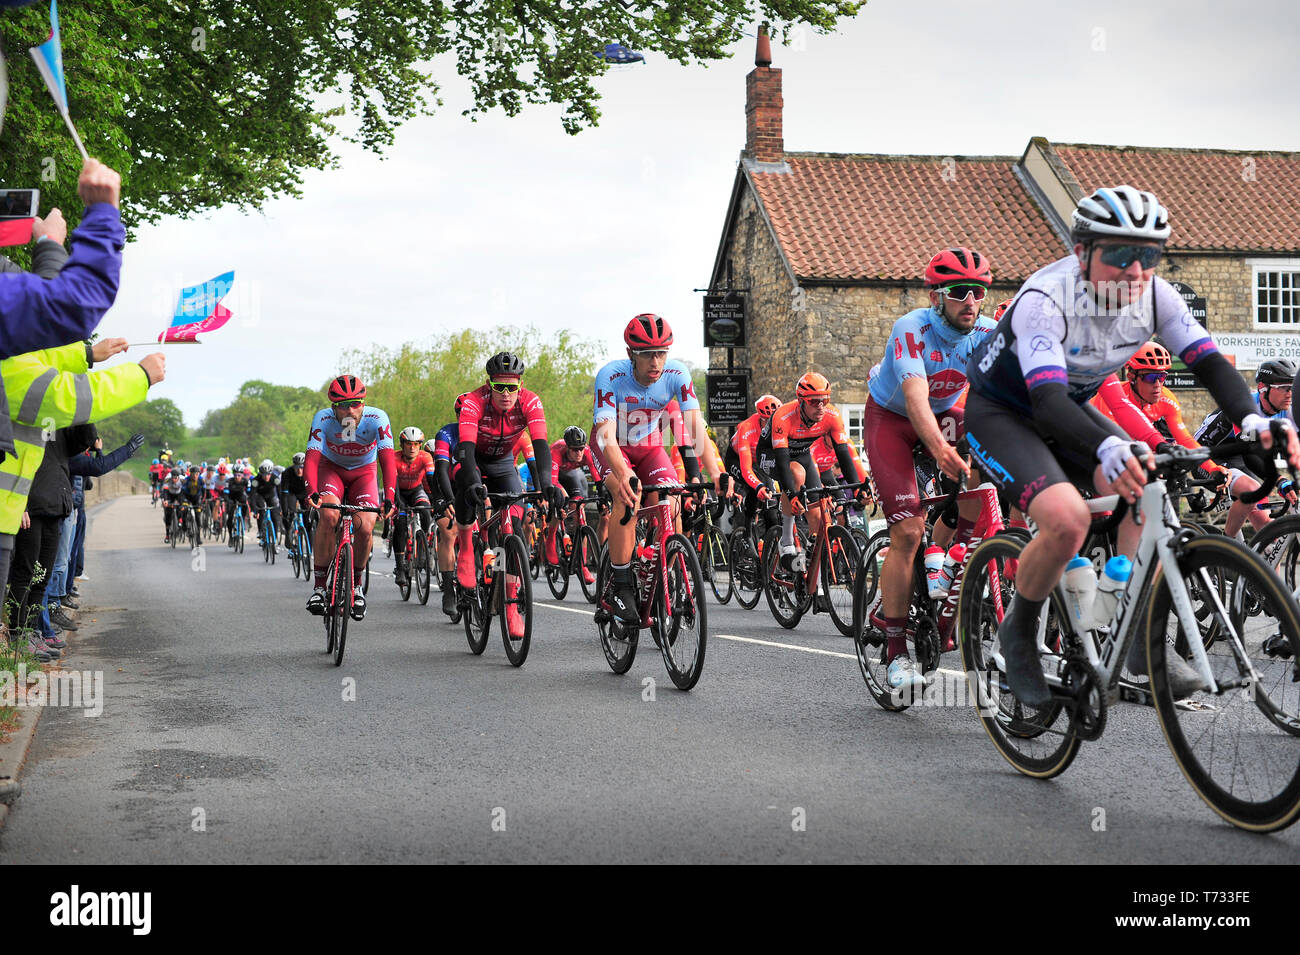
point(351, 450)
point(946, 382)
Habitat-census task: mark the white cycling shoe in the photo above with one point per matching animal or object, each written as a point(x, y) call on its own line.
point(903, 674)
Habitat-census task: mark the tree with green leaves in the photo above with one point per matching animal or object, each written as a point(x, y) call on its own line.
point(227, 102)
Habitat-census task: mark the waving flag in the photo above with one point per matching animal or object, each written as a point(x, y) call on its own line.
point(199, 309)
point(49, 61)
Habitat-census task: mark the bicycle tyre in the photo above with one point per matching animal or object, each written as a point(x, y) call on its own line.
point(616, 640)
point(684, 584)
point(272, 539)
point(422, 571)
point(515, 558)
point(365, 577)
point(718, 564)
point(1193, 733)
point(839, 565)
point(587, 553)
point(475, 616)
point(1027, 738)
point(786, 605)
point(172, 532)
point(746, 569)
point(342, 603)
point(557, 575)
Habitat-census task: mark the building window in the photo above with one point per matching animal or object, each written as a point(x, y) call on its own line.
point(1276, 292)
point(854, 416)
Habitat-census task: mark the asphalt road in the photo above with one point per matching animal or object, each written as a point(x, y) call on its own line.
point(225, 737)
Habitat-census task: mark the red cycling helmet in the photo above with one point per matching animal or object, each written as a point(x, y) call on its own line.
point(958, 265)
point(1150, 357)
point(347, 388)
point(812, 385)
point(647, 333)
point(766, 406)
point(1002, 307)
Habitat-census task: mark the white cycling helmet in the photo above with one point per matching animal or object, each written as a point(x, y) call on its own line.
point(1120, 212)
point(412, 434)
point(267, 466)
point(429, 445)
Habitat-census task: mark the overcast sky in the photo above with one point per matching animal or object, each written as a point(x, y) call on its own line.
point(512, 221)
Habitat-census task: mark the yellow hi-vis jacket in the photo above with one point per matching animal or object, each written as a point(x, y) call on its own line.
point(51, 389)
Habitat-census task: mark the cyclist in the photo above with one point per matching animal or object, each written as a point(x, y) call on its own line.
point(171, 495)
point(912, 399)
point(492, 417)
point(631, 395)
point(568, 455)
point(347, 441)
point(264, 492)
point(1273, 384)
point(237, 490)
point(1071, 324)
point(747, 470)
point(293, 493)
point(414, 467)
point(157, 474)
point(443, 447)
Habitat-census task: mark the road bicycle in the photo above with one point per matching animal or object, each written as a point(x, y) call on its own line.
point(192, 523)
point(339, 590)
point(267, 535)
point(416, 552)
point(1234, 740)
point(238, 522)
point(930, 621)
point(670, 594)
point(745, 553)
point(578, 550)
point(502, 579)
point(300, 547)
point(825, 560)
point(710, 547)
point(217, 524)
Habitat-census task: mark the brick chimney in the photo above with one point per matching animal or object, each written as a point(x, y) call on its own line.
point(764, 141)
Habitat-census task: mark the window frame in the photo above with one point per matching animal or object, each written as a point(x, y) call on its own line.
point(1288, 266)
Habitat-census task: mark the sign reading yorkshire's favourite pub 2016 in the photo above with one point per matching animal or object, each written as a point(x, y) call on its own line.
point(727, 398)
point(724, 321)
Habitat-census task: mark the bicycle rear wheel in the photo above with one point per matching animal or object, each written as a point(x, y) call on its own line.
point(1238, 748)
point(746, 568)
point(685, 634)
point(557, 575)
point(421, 570)
point(868, 639)
point(1035, 740)
point(617, 640)
point(514, 576)
point(838, 567)
point(477, 620)
point(341, 603)
point(586, 561)
point(717, 564)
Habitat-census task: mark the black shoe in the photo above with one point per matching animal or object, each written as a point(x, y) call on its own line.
point(623, 603)
point(68, 602)
point(401, 577)
point(316, 602)
point(61, 619)
point(1277, 646)
point(449, 601)
point(74, 592)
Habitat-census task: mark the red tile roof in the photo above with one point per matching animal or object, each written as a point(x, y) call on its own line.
point(865, 217)
point(1218, 200)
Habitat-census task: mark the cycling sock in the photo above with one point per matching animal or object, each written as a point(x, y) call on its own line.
point(895, 637)
point(318, 574)
point(787, 530)
point(356, 576)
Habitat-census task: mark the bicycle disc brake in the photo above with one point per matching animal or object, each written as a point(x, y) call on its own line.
point(1087, 703)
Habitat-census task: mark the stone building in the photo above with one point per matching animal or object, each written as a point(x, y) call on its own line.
point(830, 248)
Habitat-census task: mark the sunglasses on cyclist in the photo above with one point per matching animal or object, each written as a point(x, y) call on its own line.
point(960, 293)
point(504, 387)
point(1281, 387)
point(1122, 256)
point(817, 402)
point(1153, 377)
point(348, 404)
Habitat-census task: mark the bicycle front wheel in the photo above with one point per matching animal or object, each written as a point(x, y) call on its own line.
point(586, 561)
point(746, 568)
point(557, 575)
point(717, 564)
point(341, 602)
point(514, 589)
point(1237, 747)
point(685, 632)
point(838, 566)
point(477, 620)
point(421, 569)
point(1035, 740)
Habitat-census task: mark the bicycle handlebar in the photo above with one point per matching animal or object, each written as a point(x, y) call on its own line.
point(349, 508)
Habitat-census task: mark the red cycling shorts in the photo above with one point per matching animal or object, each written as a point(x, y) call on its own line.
point(356, 486)
point(650, 463)
point(890, 440)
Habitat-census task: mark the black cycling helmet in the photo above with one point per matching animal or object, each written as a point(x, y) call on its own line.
point(504, 363)
point(575, 437)
point(1280, 371)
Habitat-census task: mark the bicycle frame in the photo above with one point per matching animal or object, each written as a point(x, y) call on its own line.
point(660, 514)
point(822, 539)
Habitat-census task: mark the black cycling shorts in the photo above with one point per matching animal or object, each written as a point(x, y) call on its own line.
point(574, 482)
point(499, 476)
point(1018, 458)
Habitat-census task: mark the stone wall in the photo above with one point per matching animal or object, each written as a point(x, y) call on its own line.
point(115, 484)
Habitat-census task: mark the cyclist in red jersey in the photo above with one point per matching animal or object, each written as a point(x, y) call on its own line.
point(414, 468)
point(749, 473)
point(568, 455)
point(491, 419)
point(790, 435)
